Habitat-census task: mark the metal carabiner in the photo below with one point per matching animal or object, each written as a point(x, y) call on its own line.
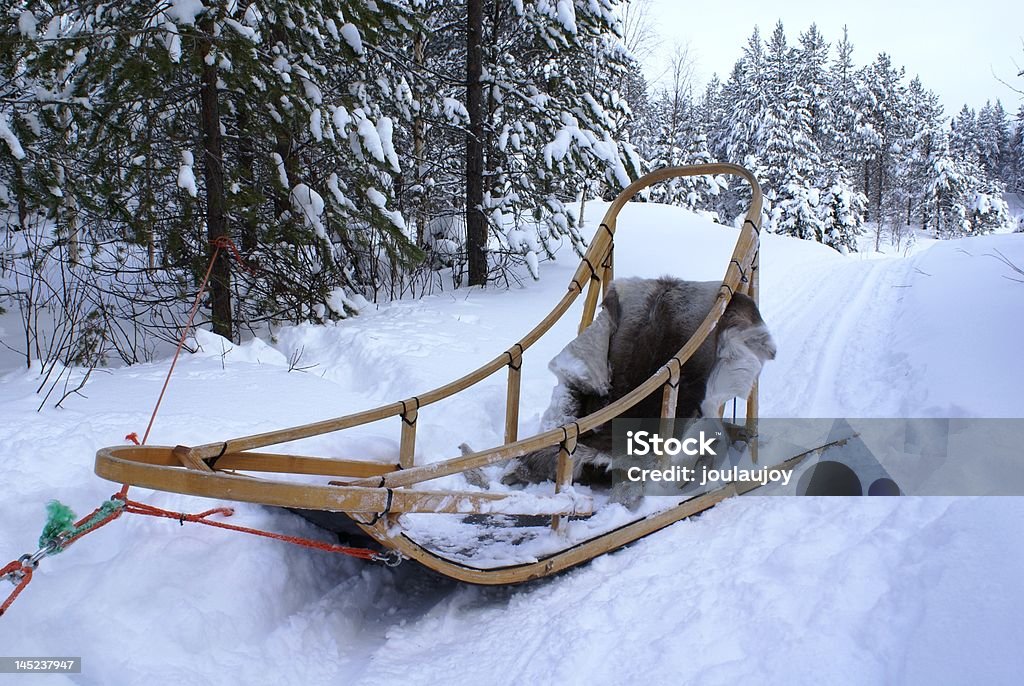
point(389, 558)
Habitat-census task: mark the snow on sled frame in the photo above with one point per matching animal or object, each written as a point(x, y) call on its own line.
point(374, 494)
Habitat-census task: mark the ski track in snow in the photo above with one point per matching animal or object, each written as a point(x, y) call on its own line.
point(757, 590)
point(837, 358)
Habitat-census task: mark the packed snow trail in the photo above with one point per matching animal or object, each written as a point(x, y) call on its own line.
point(838, 326)
point(768, 590)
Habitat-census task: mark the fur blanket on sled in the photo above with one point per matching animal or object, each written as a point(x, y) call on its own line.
point(642, 324)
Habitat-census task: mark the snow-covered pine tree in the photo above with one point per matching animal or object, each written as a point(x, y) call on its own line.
point(846, 93)
point(713, 117)
point(1015, 173)
point(963, 137)
point(974, 145)
point(993, 140)
point(788, 152)
point(922, 118)
point(884, 105)
point(744, 102)
point(987, 210)
point(570, 52)
point(841, 209)
point(945, 198)
point(811, 88)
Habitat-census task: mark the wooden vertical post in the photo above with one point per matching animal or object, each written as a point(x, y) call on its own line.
point(599, 280)
point(752, 403)
point(515, 366)
point(669, 402)
point(609, 269)
point(590, 305)
point(407, 449)
point(670, 399)
point(563, 472)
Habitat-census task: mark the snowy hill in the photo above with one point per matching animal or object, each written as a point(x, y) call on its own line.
point(783, 590)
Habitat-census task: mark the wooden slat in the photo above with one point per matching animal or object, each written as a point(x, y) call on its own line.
point(275, 462)
point(407, 448)
point(298, 464)
point(512, 399)
point(183, 454)
point(563, 472)
point(752, 399)
point(590, 305)
point(137, 465)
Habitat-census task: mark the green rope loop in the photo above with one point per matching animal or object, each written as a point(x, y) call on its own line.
point(59, 518)
point(60, 522)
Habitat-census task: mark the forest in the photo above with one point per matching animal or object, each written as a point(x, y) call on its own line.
point(341, 152)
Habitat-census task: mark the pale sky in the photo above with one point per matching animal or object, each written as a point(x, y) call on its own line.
point(953, 46)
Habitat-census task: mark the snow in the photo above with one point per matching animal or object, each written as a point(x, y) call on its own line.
point(13, 144)
point(282, 172)
point(315, 124)
point(242, 30)
point(186, 175)
point(379, 200)
point(385, 131)
point(567, 15)
point(760, 590)
point(351, 35)
point(173, 41)
point(209, 344)
point(370, 137)
point(185, 11)
point(455, 112)
point(310, 206)
point(27, 24)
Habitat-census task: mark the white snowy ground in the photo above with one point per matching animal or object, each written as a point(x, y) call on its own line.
point(759, 590)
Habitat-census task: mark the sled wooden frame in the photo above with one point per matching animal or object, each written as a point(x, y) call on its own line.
point(374, 494)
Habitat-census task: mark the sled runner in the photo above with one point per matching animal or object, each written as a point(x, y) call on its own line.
point(485, 537)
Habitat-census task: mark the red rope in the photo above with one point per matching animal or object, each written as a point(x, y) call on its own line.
point(15, 567)
point(228, 244)
point(181, 341)
point(201, 518)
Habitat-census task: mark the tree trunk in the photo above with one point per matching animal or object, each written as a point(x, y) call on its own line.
point(246, 165)
point(147, 191)
point(21, 194)
point(213, 174)
point(419, 143)
point(476, 223)
point(878, 190)
point(867, 185)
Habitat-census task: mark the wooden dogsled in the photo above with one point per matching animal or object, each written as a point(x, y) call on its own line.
point(388, 502)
